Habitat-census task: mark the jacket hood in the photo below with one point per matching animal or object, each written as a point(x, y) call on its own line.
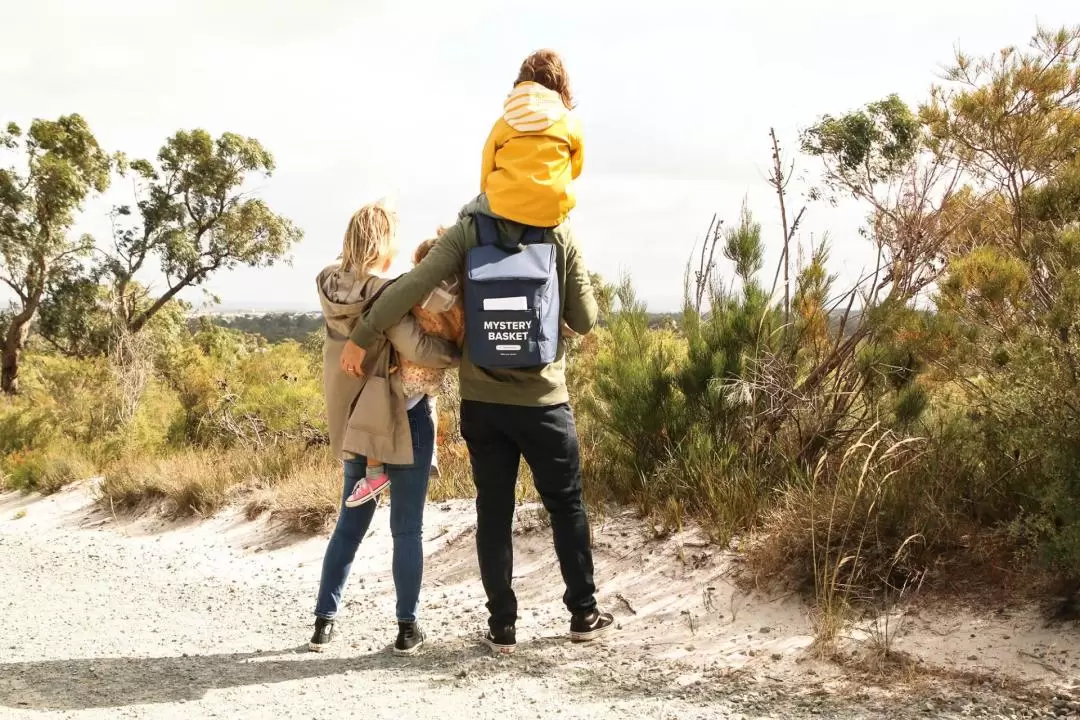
point(531, 107)
point(341, 295)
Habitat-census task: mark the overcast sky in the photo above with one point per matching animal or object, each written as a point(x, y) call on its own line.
point(358, 99)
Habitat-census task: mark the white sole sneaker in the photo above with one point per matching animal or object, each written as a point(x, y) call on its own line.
point(499, 649)
point(370, 497)
point(605, 622)
point(411, 651)
point(581, 637)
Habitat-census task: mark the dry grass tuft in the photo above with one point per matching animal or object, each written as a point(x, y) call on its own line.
point(305, 500)
point(202, 482)
point(46, 471)
point(828, 533)
point(193, 482)
point(455, 476)
point(299, 487)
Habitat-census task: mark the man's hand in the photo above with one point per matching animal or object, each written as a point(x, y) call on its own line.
point(352, 359)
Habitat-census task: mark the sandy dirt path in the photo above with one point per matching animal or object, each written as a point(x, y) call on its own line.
point(114, 618)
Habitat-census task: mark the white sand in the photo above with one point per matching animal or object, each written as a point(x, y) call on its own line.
point(106, 617)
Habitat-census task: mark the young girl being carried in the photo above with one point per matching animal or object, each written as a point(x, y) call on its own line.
point(440, 314)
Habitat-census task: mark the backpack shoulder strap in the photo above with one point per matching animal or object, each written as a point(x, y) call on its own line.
point(368, 302)
point(533, 235)
point(486, 230)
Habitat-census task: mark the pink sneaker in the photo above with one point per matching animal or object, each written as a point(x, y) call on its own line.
point(367, 490)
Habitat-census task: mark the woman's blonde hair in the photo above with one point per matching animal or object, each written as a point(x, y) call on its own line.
point(370, 237)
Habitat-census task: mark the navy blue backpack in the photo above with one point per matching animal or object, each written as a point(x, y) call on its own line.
point(512, 313)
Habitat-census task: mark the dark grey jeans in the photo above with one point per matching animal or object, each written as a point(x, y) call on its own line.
point(498, 436)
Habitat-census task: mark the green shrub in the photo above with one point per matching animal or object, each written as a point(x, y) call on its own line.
point(233, 393)
point(45, 471)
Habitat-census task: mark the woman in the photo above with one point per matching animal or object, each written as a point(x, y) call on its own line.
point(370, 416)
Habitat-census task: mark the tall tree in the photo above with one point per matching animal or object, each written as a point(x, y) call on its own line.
point(1011, 119)
point(194, 218)
point(1011, 122)
point(58, 164)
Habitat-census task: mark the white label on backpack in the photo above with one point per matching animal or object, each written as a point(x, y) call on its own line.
point(509, 303)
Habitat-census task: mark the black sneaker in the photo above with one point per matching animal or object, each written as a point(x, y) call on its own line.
point(502, 640)
point(589, 626)
point(324, 633)
point(410, 638)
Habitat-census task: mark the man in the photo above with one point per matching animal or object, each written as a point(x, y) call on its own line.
point(507, 414)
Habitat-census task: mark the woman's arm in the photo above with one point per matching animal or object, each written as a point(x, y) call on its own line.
point(416, 346)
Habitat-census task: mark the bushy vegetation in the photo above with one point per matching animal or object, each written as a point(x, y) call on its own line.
point(184, 405)
point(868, 438)
point(949, 371)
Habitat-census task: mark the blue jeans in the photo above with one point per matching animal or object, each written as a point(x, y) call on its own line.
point(408, 494)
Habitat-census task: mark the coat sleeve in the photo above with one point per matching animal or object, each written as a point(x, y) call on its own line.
point(580, 311)
point(416, 346)
point(577, 150)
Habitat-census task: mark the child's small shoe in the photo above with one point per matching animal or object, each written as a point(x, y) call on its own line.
point(367, 490)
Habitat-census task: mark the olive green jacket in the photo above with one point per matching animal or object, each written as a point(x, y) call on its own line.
point(541, 386)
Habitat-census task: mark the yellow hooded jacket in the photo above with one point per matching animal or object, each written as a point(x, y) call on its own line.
point(532, 156)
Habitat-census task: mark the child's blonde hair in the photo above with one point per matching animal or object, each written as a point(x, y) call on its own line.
point(370, 237)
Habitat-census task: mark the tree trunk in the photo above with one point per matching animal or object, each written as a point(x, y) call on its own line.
point(13, 345)
point(17, 333)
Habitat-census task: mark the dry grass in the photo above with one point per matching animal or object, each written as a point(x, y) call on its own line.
point(201, 482)
point(455, 477)
point(299, 487)
point(455, 474)
point(193, 482)
point(826, 534)
point(47, 471)
point(306, 499)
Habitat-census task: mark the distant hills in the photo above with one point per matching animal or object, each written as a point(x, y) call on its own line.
point(273, 326)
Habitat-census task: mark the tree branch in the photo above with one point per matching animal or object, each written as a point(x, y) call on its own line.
point(17, 288)
point(62, 349)
point(140, 321)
